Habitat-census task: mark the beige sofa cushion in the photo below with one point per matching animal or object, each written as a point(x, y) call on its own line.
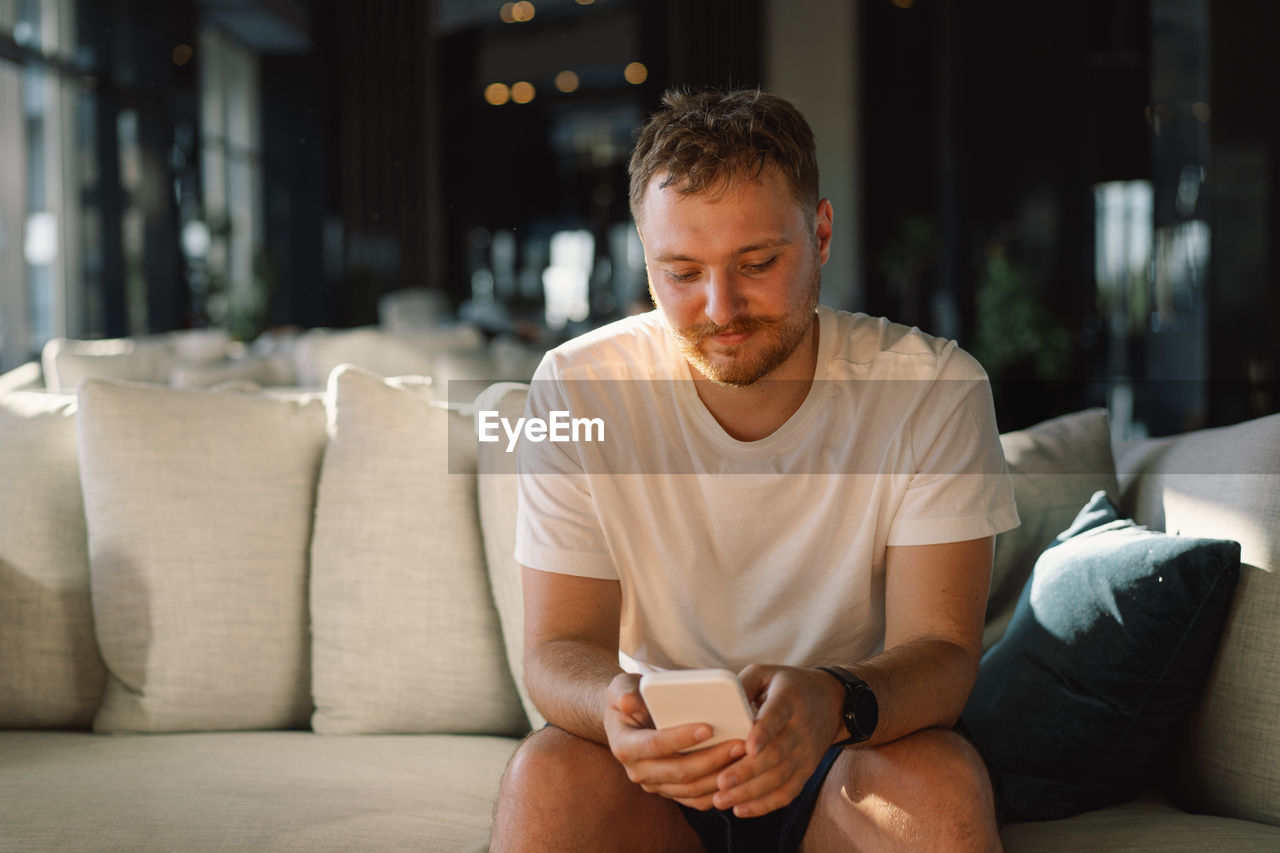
point(498, 501)
point(50, 673)
point(1056, 466)
point(318, 352)
point(199, 509)
point(1145, 825)
point(1225, 483)
point(404, 631)
point(248, 792)
point(66, 362)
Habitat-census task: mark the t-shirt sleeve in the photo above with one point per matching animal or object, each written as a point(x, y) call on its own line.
point(960, 487)
point(557, 526)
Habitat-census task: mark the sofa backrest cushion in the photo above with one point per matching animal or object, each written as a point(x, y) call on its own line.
point(199, 508)
point(262, 370)
point(26, 377)
point(66, 362)
point(405, 635)
point(50, 673)
point(1225, 483)
point(1056, 466)
point(318, 352)
point(498, 501)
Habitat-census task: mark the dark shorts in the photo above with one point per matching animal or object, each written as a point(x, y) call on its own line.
point(782, 830)
point(779, 831)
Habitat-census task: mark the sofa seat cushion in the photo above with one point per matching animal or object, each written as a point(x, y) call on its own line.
point(1141, 826)
point(259, 791)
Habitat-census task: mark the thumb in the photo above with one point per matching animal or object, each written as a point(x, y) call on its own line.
point(755, 682)
point(629, 702)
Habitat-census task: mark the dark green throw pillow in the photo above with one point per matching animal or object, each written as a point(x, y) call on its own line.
point(1106, 654)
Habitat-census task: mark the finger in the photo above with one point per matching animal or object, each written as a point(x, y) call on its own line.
point(704, 788)
point(778, 798)
point(755, 680)
point(646, 744)
point(760, 794)
point(701, 767)
point(702, 804)
point(774, 715)
point(632, 704)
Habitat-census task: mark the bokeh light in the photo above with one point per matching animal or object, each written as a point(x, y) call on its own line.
point(182, 54)
point(523, 11)
point(522, 92)
point(497, 94)
point(567, 81)
point(636, 73)
point(507, 13)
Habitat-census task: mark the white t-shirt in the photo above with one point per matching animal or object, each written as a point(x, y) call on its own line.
point(771, 551)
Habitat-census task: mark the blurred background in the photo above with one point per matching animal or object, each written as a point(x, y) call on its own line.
point(1080, 191)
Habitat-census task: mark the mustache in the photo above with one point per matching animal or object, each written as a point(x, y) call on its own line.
point(696, 334)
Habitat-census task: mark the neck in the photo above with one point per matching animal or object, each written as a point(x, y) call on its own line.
point(756, 411)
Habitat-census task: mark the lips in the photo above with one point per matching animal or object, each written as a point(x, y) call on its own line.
point(732, 338)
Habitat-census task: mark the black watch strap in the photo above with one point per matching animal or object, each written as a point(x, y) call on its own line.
point(861, 711)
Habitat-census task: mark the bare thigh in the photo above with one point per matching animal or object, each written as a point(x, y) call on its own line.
point(563, 793)
point(927, 791)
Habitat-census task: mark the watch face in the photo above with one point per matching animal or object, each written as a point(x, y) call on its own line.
point(866, 711)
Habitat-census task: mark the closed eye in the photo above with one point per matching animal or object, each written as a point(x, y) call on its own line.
point(762, 266)
point(682, 277)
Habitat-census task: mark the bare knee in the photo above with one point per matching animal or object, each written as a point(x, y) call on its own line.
point(926, 791)
point(562, 793)
point(553, 765)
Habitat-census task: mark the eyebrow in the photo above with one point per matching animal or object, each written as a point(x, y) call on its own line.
point(754, 247)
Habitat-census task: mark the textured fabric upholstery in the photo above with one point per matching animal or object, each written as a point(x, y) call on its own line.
point(50, 673)
point(404, 631)
point(1055, 465)
point(66, 362)
point(256, 791)
point(497, 495)
point(1226, 483)
point(1142, 826)
point(199, 509)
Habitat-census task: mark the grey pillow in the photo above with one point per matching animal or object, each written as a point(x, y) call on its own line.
point(1055, 466)
point(1107, 652)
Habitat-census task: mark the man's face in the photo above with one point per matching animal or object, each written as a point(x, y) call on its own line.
point(735, 273)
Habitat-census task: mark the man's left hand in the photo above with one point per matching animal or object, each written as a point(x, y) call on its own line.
point(798, 720)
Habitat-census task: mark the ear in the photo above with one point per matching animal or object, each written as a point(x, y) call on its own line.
point(822, 227)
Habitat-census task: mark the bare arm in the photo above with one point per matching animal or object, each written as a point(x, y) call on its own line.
point(935, 601)
point(572, 672)
point(571, 648)
point(935, 598)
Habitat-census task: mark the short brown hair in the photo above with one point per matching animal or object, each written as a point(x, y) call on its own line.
point(705, 140)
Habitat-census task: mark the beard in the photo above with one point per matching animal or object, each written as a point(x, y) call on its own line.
point(773, 341)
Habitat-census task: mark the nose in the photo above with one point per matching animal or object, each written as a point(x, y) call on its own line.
point(723, 300)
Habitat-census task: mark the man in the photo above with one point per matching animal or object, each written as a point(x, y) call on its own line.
point(789, 487)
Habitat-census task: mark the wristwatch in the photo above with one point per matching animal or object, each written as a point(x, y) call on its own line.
point(861, 711)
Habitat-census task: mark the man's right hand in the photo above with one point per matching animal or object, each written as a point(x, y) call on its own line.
point(652, 757)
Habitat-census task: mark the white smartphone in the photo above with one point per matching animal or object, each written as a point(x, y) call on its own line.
point(711, 696)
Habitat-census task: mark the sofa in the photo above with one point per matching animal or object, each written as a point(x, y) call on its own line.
point(291, 621)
